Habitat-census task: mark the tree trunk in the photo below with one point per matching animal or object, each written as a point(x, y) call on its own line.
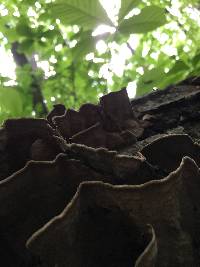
point(115, 184)
point(38, 99)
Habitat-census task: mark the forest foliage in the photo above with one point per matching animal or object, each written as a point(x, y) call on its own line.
point(73, 51)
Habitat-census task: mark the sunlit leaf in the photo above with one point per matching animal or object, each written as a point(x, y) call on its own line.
point(152, 75)
point(10, 101)
point(150, 18)
point(179, 66)
point(83, 48)
point(126, 7)
point(58, 66)
point(87, 13)
point(28, 2)
point(149, 80)
point(4, 79)
point(86, 44)
point(11, 34)
point(172, 79)
point(196, 60)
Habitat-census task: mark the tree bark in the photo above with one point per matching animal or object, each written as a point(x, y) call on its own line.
point(113, 184)
point(38, 99)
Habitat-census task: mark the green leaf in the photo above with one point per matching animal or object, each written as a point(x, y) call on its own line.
point(178, 67)
point(86, 44)
point(4, 79)
point(44, 16)
point(11, 34)
point(28, 2)
point(87, 13)
point(196, 61)
point(150, 18)
point(172, 79)
point(49, 34)
point(10, 101)
point(23, 30)
point(126, 7)
point(152, 75)
point(149, 79)
point(84, 47)
point(26, 46)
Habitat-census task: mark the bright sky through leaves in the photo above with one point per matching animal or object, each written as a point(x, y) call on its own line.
point(120, 54)
point(117, 61)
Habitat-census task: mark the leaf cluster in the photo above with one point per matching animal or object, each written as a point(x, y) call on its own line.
point(153, 44)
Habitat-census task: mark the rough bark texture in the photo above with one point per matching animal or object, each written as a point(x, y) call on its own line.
point(114, 184)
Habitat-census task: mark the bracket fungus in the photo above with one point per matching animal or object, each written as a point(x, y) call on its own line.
point(105, 186)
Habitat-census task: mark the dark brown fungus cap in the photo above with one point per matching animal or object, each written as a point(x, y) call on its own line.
point(32, 196)
point(58, 110)
point(124, 169)
point(42, 150)
point(16, 139)
point(168, 151)
point(116, 106)
point(84, 234)
point(97, 233)
point(96, 136)
point(102, 125)
point(70, 123)
point(91, 114)
point(93, 206)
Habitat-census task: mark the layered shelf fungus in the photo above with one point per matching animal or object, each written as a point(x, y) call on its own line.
point(95, 231)
point(110, 185)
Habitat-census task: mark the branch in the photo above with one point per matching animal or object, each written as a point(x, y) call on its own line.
point(20, 59)
point(131, 49)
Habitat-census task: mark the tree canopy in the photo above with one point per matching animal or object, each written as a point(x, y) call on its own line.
point(72, 52)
